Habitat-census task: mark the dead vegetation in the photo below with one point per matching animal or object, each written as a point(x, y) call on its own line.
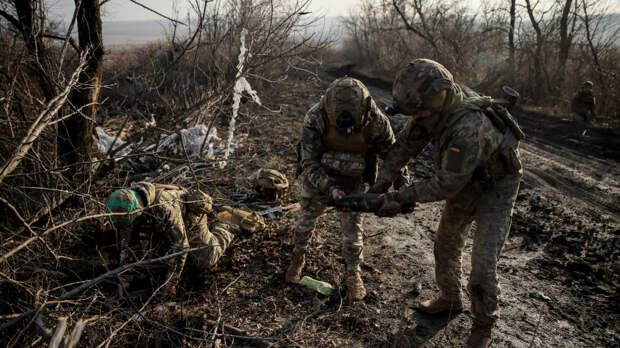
point(58, 256)
point(544, 49)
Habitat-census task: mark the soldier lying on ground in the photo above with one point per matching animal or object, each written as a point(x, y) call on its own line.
point(171, 218)
point(339, 137)
point(475, 145)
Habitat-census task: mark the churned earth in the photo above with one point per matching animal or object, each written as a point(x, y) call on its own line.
point(559, 269)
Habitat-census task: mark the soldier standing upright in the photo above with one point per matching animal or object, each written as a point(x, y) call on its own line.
point(171, 218)
point(583, 107)
point(475, 146)
point(339, 138)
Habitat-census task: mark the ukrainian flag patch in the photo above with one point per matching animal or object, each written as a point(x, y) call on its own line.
point(454, 158)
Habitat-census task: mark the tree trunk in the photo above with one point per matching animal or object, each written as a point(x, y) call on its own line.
point(76, 132)
point(511, 41)
point(566, 41)
point(32, 30)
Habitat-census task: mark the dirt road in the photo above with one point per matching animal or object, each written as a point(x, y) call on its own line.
point(559, 270)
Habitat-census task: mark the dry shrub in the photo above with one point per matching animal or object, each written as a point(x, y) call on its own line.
point(474, 46)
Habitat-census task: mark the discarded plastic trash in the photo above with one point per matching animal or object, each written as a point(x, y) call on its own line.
point(103, 142)
point(321, 287)
point(193, 139)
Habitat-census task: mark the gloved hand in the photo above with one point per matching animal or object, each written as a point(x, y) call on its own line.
point(390, 207)
point(335, 192)
point(407, 208)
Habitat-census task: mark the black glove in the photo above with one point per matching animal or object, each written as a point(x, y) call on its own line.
point(390, 207)
point(407, 208)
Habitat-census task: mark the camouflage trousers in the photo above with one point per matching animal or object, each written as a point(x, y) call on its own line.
point(350, 222)
point(493, 214)
point(219, 238)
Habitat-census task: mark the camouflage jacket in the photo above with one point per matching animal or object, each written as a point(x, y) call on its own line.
point(468, 140)
point(315, 129)
point(167, 220)
point(584, 102)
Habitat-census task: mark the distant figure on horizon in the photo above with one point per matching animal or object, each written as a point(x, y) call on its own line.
point(583, 107)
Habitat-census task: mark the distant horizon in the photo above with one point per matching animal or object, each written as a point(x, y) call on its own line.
point(144, 31)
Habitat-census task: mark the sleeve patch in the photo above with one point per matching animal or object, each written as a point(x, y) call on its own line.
point(454, 158)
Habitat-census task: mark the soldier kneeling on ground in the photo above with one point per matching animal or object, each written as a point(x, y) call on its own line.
point(172, 219)
point(583, 107)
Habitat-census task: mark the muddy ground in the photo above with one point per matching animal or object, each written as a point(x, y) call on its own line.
point(559, 270)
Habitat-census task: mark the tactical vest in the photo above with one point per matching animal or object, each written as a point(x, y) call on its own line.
point(505, 159)
point(346, 155)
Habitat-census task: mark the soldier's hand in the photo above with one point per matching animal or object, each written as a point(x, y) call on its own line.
point(389, 207)
point(337, 194)
point(407, 208)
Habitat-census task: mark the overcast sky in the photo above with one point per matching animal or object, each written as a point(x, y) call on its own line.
point(126, 10)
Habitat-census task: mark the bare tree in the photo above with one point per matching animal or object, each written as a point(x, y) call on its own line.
point(76, 132)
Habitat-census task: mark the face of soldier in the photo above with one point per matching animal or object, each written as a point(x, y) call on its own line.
point(345, 123)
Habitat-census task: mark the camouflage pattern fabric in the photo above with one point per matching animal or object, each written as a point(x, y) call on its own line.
point(174, 227)
point(314, 129)
point(462, 140)
point(317, 181)
point(351, 226)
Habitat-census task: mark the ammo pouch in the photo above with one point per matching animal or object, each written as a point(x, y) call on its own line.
point(343, 163)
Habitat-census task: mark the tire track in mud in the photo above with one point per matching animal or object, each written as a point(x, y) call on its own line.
point(570, 179)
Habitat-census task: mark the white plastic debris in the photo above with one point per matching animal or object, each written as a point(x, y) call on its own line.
point(193, 140)
point(104, 141)
point(241, 85)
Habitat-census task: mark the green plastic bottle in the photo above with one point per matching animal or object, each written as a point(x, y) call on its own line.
point(321, 287)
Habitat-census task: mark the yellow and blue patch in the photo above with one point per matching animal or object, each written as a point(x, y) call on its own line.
point(456, 148)
point(454, 158)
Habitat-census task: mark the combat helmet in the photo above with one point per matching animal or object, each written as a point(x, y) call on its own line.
point(123, 201)
point(346, 104)
point(269, 183)
point(198, 202)
point(422, 85)
point(587, 84)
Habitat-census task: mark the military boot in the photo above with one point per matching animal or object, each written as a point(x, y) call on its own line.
point(293, 274)
point(355, 286)
point(480, 336)
point(440, 305)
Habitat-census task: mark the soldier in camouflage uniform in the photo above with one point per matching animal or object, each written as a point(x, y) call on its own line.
point(173, 219)
point(340, 135)
point(478, 175)
point(583, 107)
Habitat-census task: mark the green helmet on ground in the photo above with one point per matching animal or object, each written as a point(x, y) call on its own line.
point(269, 183)
point(123, 201)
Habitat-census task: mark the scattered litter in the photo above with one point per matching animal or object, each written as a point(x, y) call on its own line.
point(103, 142)
point(194, 142)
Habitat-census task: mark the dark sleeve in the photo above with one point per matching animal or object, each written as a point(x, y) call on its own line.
point(460, 155)
point(409, 143)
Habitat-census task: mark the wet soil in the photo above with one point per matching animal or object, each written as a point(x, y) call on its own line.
point(559, 269)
